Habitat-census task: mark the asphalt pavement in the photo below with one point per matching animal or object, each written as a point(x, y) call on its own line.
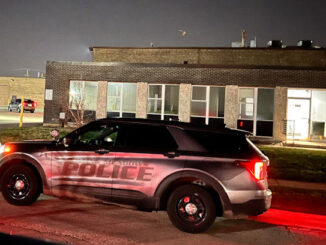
point(72, 222)
point(11, 119)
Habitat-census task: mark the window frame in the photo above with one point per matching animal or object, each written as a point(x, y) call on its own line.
point(162, 99)
point(83, 90)
point(255, 106)
point(207, 101)
point(120, 111)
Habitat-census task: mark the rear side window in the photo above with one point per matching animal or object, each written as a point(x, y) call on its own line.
point(220, 143)
point(146, 138)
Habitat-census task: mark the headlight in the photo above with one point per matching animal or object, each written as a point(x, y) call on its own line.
point(2, 149)
point(5, 149)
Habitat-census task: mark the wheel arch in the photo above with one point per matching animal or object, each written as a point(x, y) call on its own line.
point(193, 176)
point(27, 160)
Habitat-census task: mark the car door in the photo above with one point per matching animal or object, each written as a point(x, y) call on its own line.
point(145, 155)
point(84, 165)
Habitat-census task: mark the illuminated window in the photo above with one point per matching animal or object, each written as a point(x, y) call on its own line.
point(163, 96)
point(207, 104)
point(83, 95)
point(256, 110)
point(121, 99)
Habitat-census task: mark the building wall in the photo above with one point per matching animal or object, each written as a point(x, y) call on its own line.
point(30, 88)
point(215, 56)
point(59, 75)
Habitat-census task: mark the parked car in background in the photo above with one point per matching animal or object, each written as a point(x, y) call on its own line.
point(29, 105)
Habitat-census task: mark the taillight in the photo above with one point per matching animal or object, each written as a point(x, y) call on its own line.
point(25, 104)
point(258, 169)
point(35, 104)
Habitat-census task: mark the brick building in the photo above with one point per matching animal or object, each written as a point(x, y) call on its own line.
point(29, 87)
point(274, 93)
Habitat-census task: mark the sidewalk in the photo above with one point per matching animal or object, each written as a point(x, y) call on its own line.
point(296, 196)
point(297, 184)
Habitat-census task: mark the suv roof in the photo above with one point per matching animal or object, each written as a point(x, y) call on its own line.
point(183, 125)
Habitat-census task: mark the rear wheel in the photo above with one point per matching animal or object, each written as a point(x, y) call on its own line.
point(19, 185)
point(191, 209)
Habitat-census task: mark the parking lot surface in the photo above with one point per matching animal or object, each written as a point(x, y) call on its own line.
point(72, 222)
point(11, 119)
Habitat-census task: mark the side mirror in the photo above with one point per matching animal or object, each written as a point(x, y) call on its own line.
point(66, 141)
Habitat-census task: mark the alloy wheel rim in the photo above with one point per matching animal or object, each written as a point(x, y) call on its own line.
point(191, 209)
point(18, 186)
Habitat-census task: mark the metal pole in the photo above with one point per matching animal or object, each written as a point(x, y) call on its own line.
point(21, 112)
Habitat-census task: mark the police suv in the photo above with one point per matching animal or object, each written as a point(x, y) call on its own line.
point(195, 173)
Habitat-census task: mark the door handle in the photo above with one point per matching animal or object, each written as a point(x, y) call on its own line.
point(171, 154)
point(102, 151)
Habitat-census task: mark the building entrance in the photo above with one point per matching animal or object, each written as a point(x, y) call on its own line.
point(306, 115)
point(298, 119)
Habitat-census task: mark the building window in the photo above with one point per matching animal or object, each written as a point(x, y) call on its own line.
point(207, 105)
point(163, 101)
point(256, 111)
point(318, 115)
point(306, 117)
point(246, 101)
point(83, 95)
point(121, 99)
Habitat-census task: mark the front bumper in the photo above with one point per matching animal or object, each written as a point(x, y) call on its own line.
point(250, 203)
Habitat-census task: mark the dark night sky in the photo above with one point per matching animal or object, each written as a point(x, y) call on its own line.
point(34, 31)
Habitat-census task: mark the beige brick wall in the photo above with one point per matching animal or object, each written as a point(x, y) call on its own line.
point(280, 112)
point(214, 56)
point(30, 88)
point(141, 103)
point(184, 102)
point(101, 99)
point(231, 106)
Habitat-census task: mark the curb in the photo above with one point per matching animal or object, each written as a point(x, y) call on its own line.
point(297, 184)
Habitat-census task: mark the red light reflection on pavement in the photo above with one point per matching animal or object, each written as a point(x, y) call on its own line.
point(292, 219)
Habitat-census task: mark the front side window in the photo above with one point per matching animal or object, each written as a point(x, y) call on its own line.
point(163, 101)
point(101, 135)
point(83, 95)
point(121, 99)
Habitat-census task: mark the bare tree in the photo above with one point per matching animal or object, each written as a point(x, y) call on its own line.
point(77, 103)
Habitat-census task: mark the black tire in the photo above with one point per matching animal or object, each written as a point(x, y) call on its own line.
point(19, 185)
point(32, 111)
point(191, 209)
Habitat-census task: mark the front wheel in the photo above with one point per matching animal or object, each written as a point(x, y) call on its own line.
point(191, 209)
point(19, 185)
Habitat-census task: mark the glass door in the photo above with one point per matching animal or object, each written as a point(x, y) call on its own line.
point(298, 119)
